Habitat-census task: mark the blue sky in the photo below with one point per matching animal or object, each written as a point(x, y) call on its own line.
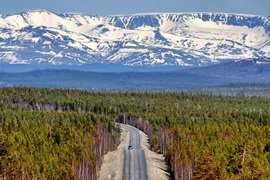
point(113, 7)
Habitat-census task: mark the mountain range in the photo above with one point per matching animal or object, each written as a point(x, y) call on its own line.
point(153, 39)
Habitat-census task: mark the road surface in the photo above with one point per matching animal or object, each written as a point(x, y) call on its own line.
point(134, 158)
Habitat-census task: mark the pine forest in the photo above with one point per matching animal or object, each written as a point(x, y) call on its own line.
point(50, 133)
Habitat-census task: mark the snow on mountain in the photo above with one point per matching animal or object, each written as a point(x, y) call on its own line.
point(185, 39)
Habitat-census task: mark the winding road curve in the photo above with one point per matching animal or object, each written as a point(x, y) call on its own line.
point(134, 158)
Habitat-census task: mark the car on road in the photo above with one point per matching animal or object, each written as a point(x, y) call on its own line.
point(130, 147)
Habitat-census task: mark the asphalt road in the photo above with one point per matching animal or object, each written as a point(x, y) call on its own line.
point(134, 158)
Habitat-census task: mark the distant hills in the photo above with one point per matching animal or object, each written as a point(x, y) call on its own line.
point(154, 39)
point(255, 72)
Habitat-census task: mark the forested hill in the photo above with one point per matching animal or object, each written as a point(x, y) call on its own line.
point(108, 81)
point(255, 71)
point(126, 80)
point(49, 133)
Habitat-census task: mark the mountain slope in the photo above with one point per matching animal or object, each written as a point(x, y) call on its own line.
point(185, 39)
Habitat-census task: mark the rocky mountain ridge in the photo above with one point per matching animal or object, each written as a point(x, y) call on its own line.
point(153, 39)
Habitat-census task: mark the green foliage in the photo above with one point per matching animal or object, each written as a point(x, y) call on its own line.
point(206, 168)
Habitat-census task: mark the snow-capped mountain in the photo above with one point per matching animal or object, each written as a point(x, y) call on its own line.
point(185, 39)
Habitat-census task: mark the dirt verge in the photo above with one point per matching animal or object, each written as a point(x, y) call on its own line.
point(113, 161)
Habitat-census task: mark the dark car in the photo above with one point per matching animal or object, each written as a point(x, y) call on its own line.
point(129, 147)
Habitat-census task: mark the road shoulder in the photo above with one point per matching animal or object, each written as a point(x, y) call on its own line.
point(156, 167)
point(113, 161)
